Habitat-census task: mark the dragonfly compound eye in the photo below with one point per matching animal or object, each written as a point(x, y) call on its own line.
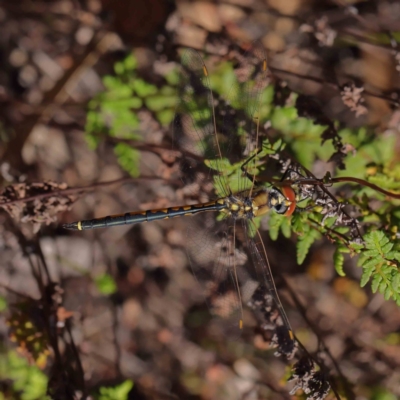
point(283, 202)
point(280, 208)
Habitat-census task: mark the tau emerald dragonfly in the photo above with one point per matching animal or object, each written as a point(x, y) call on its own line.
point(224, 246)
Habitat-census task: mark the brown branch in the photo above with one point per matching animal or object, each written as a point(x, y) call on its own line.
point(365, 183)
point(322, 182)
point(330, 231)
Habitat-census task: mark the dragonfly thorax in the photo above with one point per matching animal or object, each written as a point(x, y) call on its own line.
point(257, 203)
point(239, 206)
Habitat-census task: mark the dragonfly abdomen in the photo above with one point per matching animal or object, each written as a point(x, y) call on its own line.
point(137, 217)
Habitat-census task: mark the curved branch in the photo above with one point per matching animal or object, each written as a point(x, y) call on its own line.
point(366, 183)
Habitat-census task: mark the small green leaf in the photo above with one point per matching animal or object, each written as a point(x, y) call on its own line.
point(386, 248)
point(372, 253)
point(304, 243)
point(119, 68)
point(168, 91)
point(119, 392)
point(111, 82)
point(338, 261)
point(120, 91)
point(130, 63)
point(172, 77)
point(298, 224)
point(388, 293)
point(105, 284)
point(142, 88)
point(366, 275)
point(165, 117)
point(375, 240)
point(27, 379)
point(286, 227)
point(157, 103)
point(369, 263)
point(396, 282)
point(222, 164)
point(376, 280)
point(391, 255)
point(357, 247)
point(3, 304)
point(275, 222)
point(116, 106)
point(382, 286)
point(128, 158)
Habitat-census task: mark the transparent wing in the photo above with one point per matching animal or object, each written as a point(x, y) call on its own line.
point(233, 270)
point(220, 265)
point(194, 125)
point(249, 115)
point(220, 130)
point(265, 300)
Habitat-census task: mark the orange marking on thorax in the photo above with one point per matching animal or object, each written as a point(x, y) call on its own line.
point(290, 195)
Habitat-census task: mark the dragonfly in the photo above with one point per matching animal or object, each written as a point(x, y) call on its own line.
point(220, 143)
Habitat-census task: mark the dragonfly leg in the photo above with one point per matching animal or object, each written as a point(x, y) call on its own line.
point(244, 170)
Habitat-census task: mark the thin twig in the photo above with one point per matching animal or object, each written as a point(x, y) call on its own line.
point(365, 183)
point(322, 182)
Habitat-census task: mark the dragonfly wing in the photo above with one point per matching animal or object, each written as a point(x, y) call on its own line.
point(265, 300)
point(194, 125)
point(218, 264)
point(246, 97)
point(220, 128)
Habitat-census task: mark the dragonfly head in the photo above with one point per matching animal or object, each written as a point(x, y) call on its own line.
point(282, 201)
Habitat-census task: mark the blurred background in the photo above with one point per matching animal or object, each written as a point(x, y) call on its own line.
point(124, 308)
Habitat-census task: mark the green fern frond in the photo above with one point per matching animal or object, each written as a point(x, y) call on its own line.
point(298, 223)
point(338, 260)
point(286, 228)
point(276, 222)
point(304, 243)
point(380, 263)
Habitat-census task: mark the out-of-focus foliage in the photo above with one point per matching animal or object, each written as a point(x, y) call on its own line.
point(27, 333)
point(105, 284)
point(28, 381)
point(119, 392)
point(380, 262)
point(3, 304)
point(115, 111)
